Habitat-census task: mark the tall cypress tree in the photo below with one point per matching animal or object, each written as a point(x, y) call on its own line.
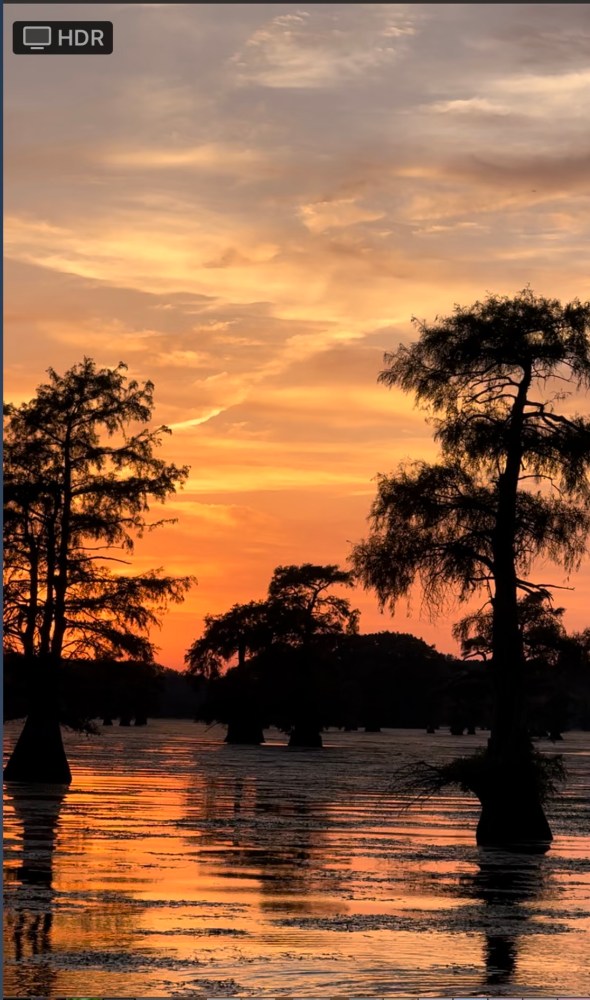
point(80, 473)
point(511, 485)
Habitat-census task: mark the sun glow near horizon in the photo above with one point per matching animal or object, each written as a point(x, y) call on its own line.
point(249, 211)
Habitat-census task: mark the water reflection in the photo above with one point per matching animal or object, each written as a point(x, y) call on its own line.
point(506, 884)
point(204, 869)
point(28, 927)
point(279, 845)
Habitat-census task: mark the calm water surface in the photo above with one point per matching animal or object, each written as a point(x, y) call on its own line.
point(178, 866)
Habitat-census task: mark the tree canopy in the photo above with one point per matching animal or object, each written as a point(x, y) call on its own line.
point(541, 626)
point(298, 608)
point(301, 606)
point(242, 630)
point(81, 473)
point(513, 480)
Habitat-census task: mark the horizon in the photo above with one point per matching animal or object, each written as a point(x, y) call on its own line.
point(250, 213)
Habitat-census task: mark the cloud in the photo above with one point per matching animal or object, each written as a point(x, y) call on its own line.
point(469, 106)
point(554, 87)
point(195, 421)
point(219, 158)
point(321, 47)
point(249, 209)
point(336, 214)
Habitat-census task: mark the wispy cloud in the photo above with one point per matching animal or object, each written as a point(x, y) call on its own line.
point(322, 46)
point(220, 158)
point(249, 209)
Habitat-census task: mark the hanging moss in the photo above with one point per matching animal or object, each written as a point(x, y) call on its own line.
point(420, 779)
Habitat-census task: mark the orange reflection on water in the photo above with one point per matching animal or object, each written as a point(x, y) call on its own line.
point(203, 868)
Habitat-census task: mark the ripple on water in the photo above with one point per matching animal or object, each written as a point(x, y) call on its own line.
point(210, 870)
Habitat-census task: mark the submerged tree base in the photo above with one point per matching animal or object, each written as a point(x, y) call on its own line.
point(512, 792)
point(305, 736)
point(513, 820)
point(39, 755)
point(248, 733)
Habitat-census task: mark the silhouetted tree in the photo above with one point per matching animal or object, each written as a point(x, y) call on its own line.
point(554, 662)
point(80, 474)
point(302, 607)
point(300, 597)
point(387, 679)
point(242, 630)
point(512, 485)
point(541, 628)
point(575, 666)
point(285, 634)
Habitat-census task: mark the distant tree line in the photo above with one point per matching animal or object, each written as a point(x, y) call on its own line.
point(358, 682)
point(395, 680)
point(91, 691)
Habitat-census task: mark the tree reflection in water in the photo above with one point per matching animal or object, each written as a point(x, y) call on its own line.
point(30, 886)
point(252, 835)
point(505, 883)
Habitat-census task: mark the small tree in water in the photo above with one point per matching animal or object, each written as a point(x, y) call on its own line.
point(243, 630)
point(78, 483)
point(285, 629)
point(512, 485)
point(300, 600)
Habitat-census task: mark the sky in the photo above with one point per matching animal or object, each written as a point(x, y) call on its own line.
point(247, 203)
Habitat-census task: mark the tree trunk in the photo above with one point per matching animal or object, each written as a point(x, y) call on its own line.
point(247, 732)
point(512, 813)
point(305, 728)
point(39, 754)
point(306, 734)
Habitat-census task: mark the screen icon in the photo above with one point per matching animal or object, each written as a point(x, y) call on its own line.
point(62, 38)
point(36, 37)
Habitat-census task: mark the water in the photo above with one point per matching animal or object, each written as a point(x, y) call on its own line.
point(178, 866)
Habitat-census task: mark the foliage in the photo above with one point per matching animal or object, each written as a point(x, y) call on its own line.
point(541, 626)
point(387, 679)
point(301, 608)
point(244, 629)
point(297, 610)
point(420, 780)
point(489, 374)
point(80, 474)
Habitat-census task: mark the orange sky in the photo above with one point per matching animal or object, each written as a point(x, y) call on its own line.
point(247, 204)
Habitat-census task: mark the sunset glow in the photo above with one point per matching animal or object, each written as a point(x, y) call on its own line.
point(247, 204)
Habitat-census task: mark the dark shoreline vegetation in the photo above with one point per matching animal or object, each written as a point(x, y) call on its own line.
point(384, 680)
point(510, 487)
